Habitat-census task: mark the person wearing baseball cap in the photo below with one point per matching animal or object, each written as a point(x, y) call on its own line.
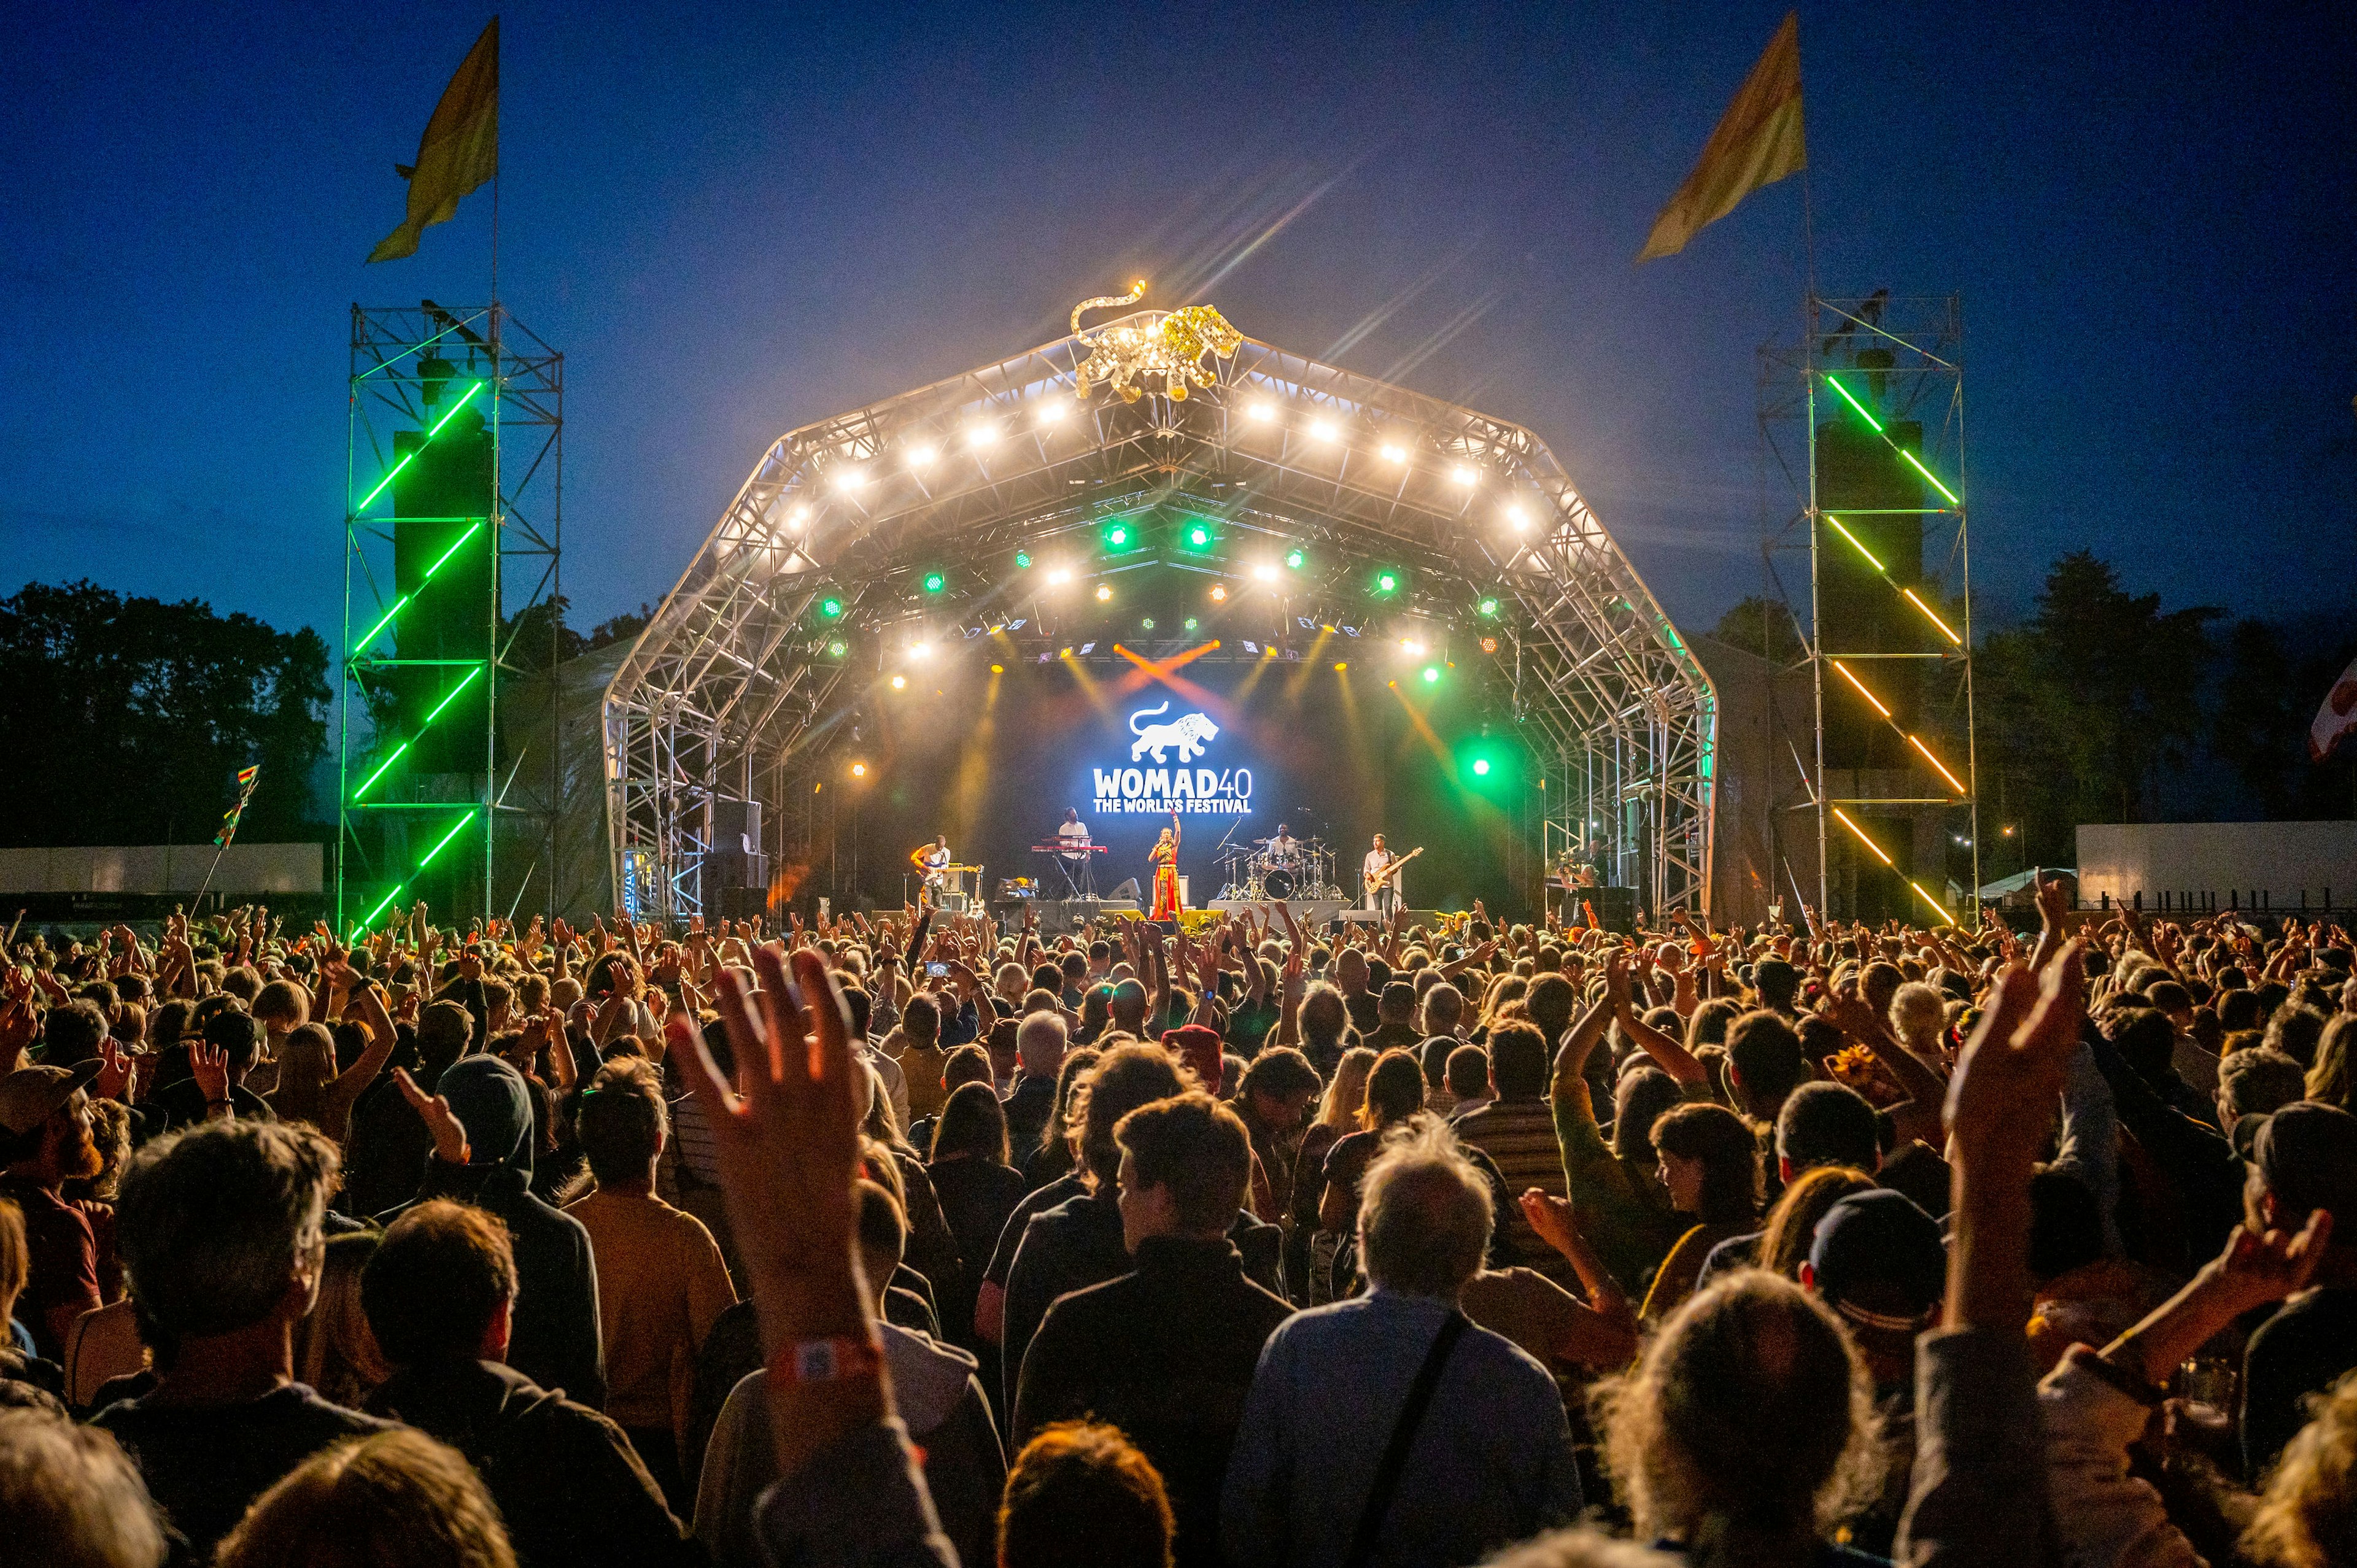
point(1879, 1262)
point(2302, 1158)
point(45, 1140)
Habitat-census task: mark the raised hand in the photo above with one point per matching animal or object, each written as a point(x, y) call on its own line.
point(115, 1077)
point(449, 1135)
point(2011, 1072)
point(208, 1064)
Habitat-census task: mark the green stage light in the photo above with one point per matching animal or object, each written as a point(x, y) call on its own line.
point(1489, 608)
point(1119, 536)
point(830, 607)
point(1191, 623)
point(1850, 399)
point(1431, 674)
point(1148, 623)
point(1295, 558)
point(1482, 768)
point(935, 582)
point(1387, 582)
point(834, 650)
point(1023, 560)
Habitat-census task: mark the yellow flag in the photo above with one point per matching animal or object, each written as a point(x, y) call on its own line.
point(1757, 142)
point(459, 150)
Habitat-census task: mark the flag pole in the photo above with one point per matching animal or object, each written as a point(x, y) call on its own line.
point(218, 850)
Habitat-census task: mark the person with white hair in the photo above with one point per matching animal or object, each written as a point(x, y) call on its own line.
point(1388, 1428)
point(1040, 1042)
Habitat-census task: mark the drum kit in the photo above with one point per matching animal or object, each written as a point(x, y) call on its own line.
point(1271, 868)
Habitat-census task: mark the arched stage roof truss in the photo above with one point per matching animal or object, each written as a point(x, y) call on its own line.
point(733, 676)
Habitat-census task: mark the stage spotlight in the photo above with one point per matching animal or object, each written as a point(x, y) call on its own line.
point(1410, 647)
point(1517, 517)
point(1488, 645)
point(1323, 430)
point(835, 649)
point(1260, 409)
point(1023, 560)
point(1465, 474)
point(1104, 593)
point(1191, 623)
point(1482, 768)
point(1264, 573)
point(935, 582)
point(899, 683)
point(998, 669)
point(1386, 581)
point(1489, 608)
point(1059, 576)
point(830, 607)
point(850, 477)
point(921, 455)
point(981, 433)
point(797, 517)
point(1052, 412)
point(1393, 454)
point(1148, 624)
point(920, 650)
point(1199, 536)
point(1431, 674)
point(1119, 536)
point(1295, 559)
point(860, 770)
point(1219, 593)
point(1341, 665)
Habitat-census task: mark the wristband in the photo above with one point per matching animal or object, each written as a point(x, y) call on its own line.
point(833, 1360)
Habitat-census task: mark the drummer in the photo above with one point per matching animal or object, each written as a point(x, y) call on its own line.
point(1284, 846)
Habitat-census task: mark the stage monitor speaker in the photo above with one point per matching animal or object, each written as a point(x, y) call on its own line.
point(744, 903)
point(1128, 889)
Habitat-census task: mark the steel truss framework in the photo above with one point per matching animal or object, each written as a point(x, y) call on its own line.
point(1904, 357)
point(408, 365)
point(733, 688)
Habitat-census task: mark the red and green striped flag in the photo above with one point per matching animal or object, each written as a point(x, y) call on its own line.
point(245, 779)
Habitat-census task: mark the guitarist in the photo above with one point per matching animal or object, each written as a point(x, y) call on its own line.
point(1382, 883)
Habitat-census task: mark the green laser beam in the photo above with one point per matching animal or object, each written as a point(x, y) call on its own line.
point(1861, 549)
point(1850, 399)
point(411, 454)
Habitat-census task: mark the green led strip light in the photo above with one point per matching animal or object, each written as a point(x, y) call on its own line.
point(393, 473)
point(447, 698)
point(407, 599)
point(1912, 461)
point(455, 829)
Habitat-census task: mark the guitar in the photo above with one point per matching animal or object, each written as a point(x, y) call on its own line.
point(1375, 879)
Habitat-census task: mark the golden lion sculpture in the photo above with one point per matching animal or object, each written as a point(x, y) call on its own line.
point(1172, 347)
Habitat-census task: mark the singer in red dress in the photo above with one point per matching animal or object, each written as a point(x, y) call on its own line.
point(1165, 857)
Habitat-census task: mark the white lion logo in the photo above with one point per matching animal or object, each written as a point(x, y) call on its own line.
point(1190, 735)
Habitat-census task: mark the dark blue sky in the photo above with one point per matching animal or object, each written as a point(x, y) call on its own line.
point(735, 220)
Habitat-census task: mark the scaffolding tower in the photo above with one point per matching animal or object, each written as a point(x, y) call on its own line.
point(422, 756)
point(1862, 425)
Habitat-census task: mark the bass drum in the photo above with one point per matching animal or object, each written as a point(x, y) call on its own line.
point(1277, 884)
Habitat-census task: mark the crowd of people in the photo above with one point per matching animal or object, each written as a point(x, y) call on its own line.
point(906, 1240)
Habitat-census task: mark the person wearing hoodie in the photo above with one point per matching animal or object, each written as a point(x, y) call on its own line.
point(940, 1401)
point(480, 1121)
point(440, 1294)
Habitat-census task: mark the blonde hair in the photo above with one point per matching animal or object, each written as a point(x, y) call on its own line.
point(398, 1499)
point(16, 1259)
point(2308, 1516)
point(1346, 1091)
point(1752, 1354)
point(2333, 1078)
